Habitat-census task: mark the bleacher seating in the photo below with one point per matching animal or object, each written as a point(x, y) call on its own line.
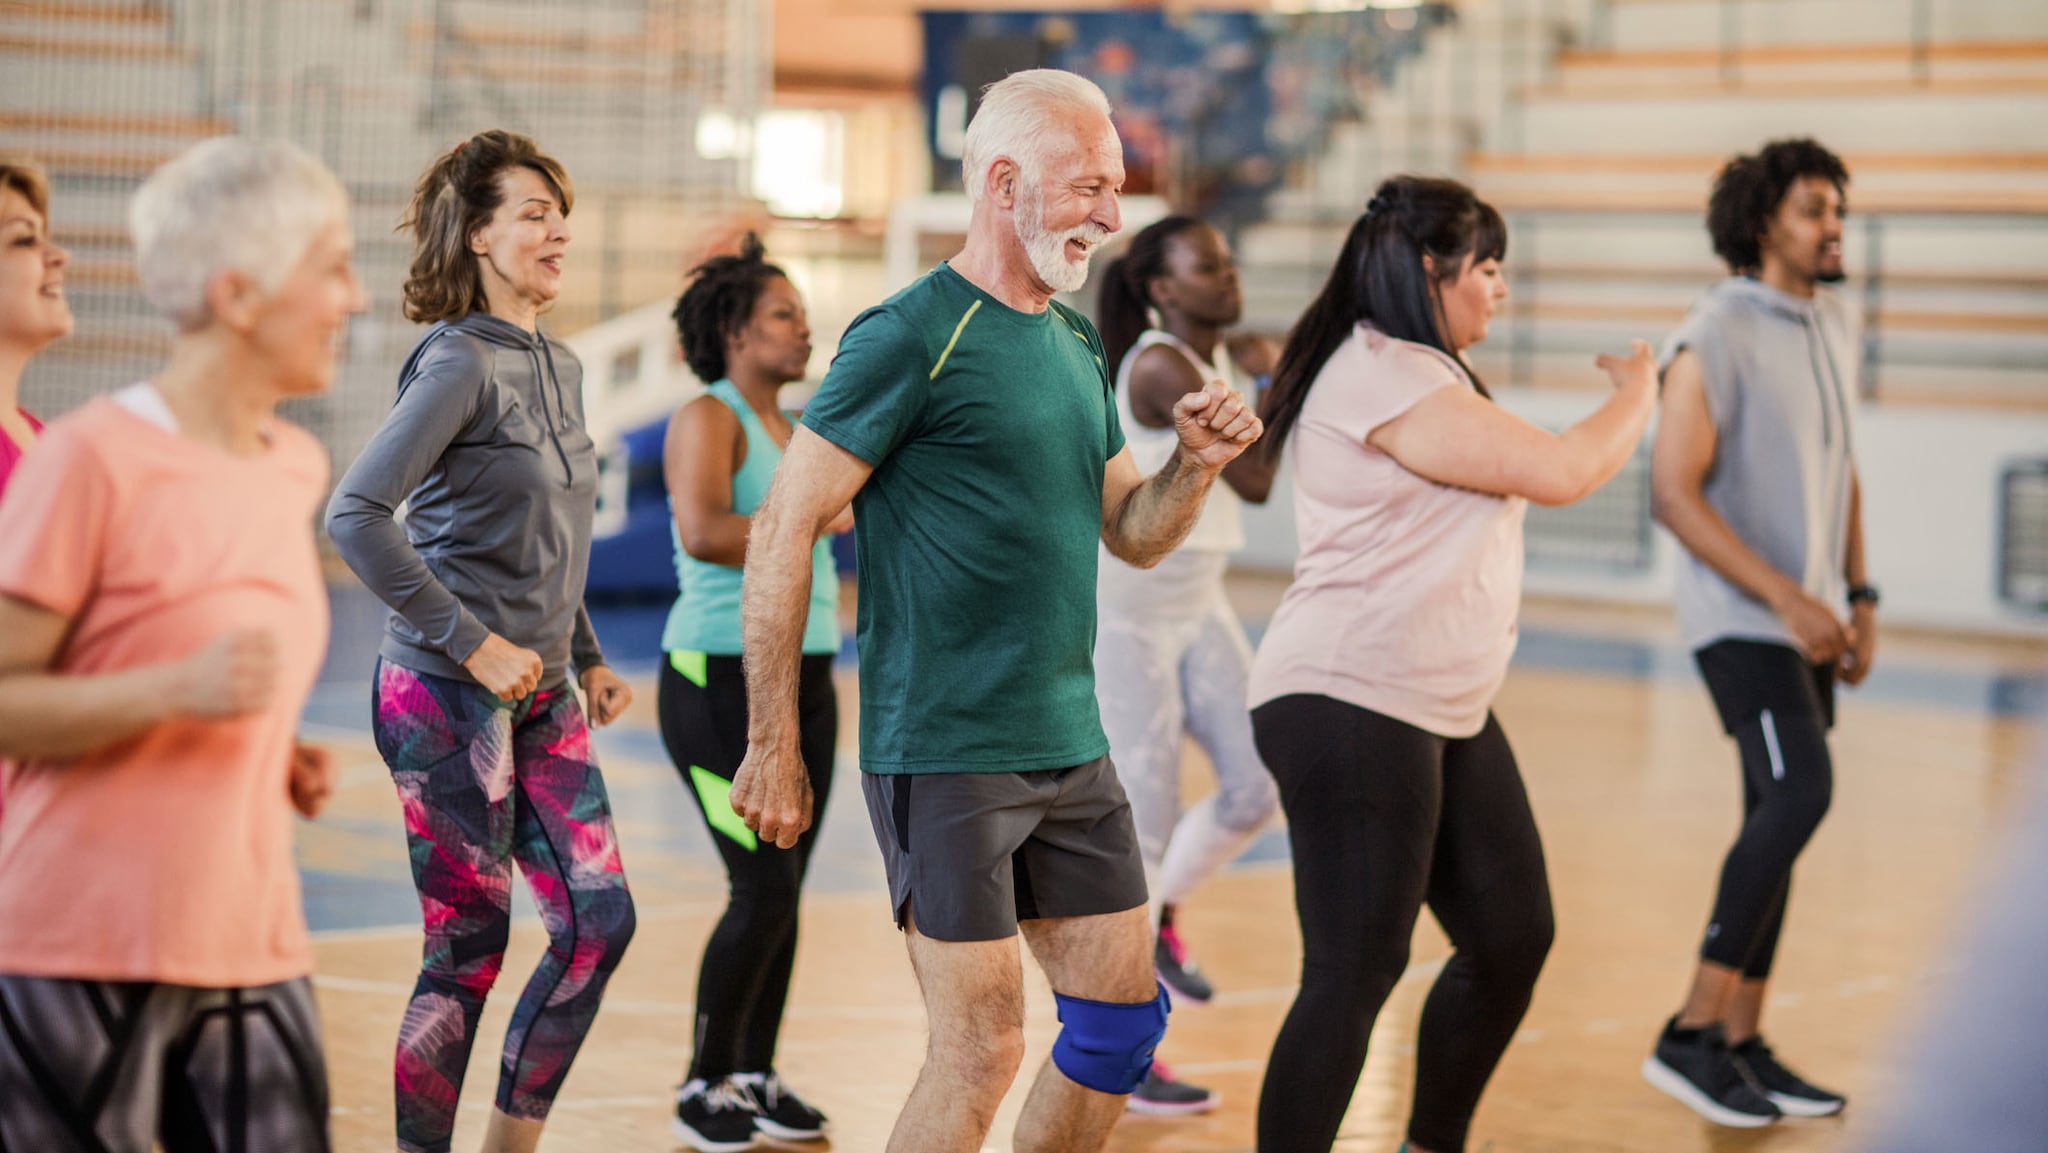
point(1601, 142)
point(102, 91)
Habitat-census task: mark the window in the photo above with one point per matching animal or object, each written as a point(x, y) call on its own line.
point(799, 164)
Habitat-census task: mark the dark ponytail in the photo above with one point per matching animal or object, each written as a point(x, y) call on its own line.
point(1123, 311)
point(1379, 277)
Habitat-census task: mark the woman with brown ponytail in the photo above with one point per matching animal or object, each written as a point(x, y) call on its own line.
point(1372, 692)
point(475, 715)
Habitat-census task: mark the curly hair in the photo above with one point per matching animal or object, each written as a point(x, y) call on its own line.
point(1126, 297)
point(455, 196)
point(721, 297)
point(1749, 190)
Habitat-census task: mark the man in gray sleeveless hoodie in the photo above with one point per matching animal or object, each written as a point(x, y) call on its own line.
point(1754, 473)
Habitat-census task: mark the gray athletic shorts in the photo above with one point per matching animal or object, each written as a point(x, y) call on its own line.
point(978, 852)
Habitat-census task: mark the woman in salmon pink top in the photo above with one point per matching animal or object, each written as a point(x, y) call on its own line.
point(162, 620)
point(1372, 691)
point(33, 311)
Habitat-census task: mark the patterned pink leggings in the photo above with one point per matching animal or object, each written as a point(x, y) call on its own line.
point(484, 784)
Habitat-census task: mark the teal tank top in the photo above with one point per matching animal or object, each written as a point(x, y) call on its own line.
point(706, 617)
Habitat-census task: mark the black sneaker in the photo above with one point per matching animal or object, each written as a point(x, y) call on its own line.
point(1694, 1065)
point(716, 1118)
point(1162, 1095)
point(1177, 970)
point(1792, 1094)
point(784, 1115)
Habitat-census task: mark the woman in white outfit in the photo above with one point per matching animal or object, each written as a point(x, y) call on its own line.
point(1171, 659)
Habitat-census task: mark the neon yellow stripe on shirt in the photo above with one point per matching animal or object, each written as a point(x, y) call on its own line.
point(957, 330)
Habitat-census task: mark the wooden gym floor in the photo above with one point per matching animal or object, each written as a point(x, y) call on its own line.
point(1634, 786)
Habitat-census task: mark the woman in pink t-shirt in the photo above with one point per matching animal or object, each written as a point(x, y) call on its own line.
point(162, 620)
point(33, 311)
point(1372, 690)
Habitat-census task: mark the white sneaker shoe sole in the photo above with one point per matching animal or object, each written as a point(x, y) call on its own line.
point(783, 1132)
point(703, 1144)
point(1792, 1106)
point(1171, 1108)
point(1673, 1083)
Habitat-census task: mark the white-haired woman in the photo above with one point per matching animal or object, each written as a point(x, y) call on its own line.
point(162, 619)
point(32, 308)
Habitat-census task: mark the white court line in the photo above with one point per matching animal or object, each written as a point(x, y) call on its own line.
point(1204, 1068)
point(564, 1105)
point(658, 913)
point(908, 1012)
point(1419, 971)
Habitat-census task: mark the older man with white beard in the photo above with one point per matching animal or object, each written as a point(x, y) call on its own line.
point(969, 419)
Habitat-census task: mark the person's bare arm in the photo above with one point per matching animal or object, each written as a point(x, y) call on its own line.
point(1159, 378)
point(1254, 353)
point(1456, 437)
point(48, 715)
point(1682, 457)
point(1855, 664)
point(815, 482)
point(312, 778)
point(1251, 475)
point(1145, 518)
point(704, 447)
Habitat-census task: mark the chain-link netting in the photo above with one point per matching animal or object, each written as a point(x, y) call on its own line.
point(101, 93)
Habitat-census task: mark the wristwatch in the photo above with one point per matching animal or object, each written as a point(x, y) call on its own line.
point(1863, 595)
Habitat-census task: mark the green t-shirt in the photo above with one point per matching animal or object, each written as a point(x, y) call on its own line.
point(988, 429)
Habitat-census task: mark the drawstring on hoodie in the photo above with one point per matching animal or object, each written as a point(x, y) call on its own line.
point(554, 433)
point(498, 333)
point(1830, 382)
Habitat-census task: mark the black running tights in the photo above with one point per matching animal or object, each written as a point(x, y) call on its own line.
point(744, 977)
point(1385, 817)
point(1778, 708)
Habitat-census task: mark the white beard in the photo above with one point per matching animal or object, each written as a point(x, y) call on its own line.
point(1048, 250)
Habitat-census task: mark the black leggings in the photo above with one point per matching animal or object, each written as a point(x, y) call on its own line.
point(744, 978)
point(1383, 817)
point(1779, 709)
point(127, 1067)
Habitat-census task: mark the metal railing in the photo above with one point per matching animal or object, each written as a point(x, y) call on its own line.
point(1918, 24)
point(1963, 338)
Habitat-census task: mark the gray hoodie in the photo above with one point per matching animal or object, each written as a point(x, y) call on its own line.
point(1780, 382)
point(486, 447)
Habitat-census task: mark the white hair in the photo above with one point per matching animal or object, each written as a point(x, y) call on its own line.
point(233, 203)
point(1012, 119)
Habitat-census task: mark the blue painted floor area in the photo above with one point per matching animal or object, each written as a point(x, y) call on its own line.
point(631, 636)
point(629, 632)
point(338, 902)
point(1979, 691)
point(2006, 694)
point(669, 850)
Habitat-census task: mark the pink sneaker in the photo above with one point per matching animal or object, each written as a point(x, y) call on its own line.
point(1162, 1095)
point(1179, 972)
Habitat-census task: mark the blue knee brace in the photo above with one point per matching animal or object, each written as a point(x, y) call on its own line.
point(1108, 1047)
